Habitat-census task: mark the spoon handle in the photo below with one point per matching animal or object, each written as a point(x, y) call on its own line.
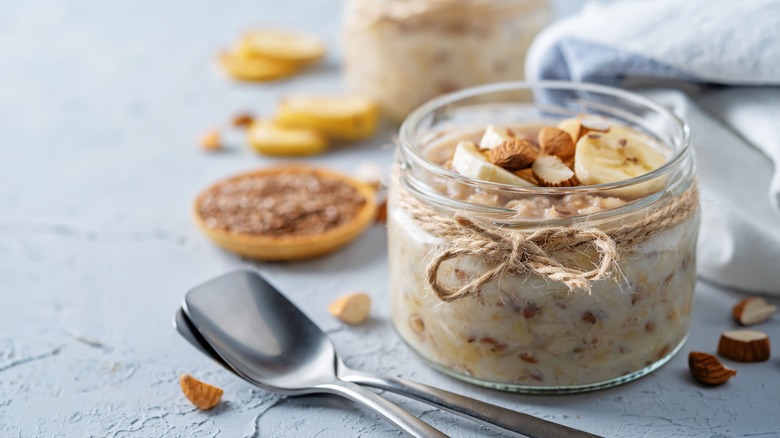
point(483, 413)
point(399, 417)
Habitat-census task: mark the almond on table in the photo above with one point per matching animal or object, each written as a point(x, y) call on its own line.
point(201, 394)
point(707, 369)
point(211, 141)
point(346, 117)
point(242, 120)
point(744, 345)
point(270, 138)
point(352, 308)
point(753, 310)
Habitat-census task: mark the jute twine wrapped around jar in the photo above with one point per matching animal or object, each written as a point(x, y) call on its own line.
point(538, 251)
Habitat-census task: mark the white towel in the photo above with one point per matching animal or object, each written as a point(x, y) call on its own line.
point(719, 64)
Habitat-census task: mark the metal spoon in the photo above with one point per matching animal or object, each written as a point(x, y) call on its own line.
point(269, 342)
point(483, 413)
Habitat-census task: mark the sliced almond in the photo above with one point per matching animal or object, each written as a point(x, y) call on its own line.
point(753, 310)
point(551, 172)
point(744, 346)
point(558, 142)
point(211, 141)
point(708, 370)
point(513, 154)
point(201, 394)
point(351, 308)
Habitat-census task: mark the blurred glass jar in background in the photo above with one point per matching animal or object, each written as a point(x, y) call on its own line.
point(404, 52)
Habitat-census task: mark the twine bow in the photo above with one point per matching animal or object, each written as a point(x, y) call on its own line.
point(543, 251)
point(536, 252)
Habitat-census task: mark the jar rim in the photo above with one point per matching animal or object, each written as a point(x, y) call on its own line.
point(408, 128)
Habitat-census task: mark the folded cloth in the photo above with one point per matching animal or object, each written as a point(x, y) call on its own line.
point(719, 64)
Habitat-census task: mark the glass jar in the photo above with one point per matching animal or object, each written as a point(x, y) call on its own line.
point(405, 52)
point(539, 289)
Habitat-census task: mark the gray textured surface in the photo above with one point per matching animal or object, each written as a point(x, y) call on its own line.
point(100, 107)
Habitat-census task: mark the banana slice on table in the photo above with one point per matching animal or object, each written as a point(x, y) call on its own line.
point(271, 139)
point(255, 69)
point(493, 137)
point(617, 155)
point(469, 161)
point(281, 45)
point(346, 117)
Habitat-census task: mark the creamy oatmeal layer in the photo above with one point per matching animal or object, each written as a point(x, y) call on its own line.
point(521, 330)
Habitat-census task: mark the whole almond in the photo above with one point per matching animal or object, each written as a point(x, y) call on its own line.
point(351, 308)
point(211, 141)
point(558, 142)
point(708, 370)
point(744, 346)
point(513, 154)
point(242, 120)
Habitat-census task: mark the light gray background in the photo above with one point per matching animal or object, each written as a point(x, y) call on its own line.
point(101, 105)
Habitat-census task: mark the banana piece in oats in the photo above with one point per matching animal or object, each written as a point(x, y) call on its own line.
point(469, 161)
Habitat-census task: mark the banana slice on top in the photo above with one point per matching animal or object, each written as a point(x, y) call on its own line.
point(469, 161)
point(617, 155)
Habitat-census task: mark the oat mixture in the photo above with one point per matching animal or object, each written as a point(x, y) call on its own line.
point(280, 204)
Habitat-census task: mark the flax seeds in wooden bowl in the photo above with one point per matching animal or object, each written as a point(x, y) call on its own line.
point(287, 212)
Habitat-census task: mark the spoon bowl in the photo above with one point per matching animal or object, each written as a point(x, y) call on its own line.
point(262, 334)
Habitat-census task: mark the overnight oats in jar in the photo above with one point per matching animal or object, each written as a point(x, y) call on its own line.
point(545, 243)
point(405, 52)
